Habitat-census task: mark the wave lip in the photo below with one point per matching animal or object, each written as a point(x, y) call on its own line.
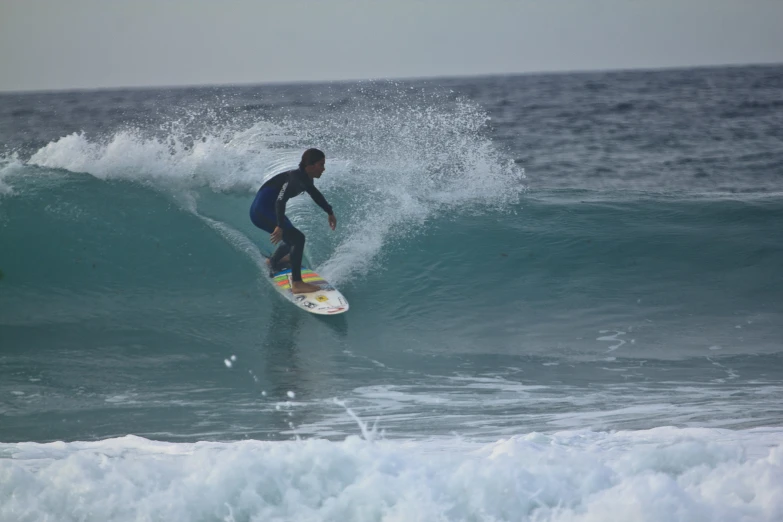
point(209, 162)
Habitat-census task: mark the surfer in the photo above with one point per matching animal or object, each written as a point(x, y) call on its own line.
point(268, 213)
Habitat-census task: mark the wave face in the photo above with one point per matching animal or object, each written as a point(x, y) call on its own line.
point(550, 277)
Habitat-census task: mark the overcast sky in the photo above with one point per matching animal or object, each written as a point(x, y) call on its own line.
point(65, 44)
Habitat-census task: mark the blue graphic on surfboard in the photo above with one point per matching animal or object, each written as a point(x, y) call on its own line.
point(327, 300)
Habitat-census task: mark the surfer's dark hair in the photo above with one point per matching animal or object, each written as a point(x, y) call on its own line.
point(311, 157)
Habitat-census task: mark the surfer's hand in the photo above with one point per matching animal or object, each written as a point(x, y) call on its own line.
point(332, 221)
point(276, 236)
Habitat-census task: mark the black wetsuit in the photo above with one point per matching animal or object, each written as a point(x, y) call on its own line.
point(268, 212)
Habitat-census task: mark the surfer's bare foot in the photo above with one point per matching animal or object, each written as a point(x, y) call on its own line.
point(300, 287)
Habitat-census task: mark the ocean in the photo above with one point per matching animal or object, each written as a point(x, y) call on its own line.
point(566, 299)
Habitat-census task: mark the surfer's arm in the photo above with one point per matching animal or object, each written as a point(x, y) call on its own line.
point(319, 199)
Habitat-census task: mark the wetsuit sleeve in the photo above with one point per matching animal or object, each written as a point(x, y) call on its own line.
point(319, 198)
point(286, 192)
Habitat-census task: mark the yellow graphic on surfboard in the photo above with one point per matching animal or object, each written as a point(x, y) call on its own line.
point(327, 300)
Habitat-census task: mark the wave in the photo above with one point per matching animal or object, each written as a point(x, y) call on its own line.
point(391, 166)
point(657, 475)
point(435, 224)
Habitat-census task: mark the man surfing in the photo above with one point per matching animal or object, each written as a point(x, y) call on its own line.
point(268, 213)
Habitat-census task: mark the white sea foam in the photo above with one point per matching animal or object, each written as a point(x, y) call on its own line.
point(214, 161)
point(9, 165)
point(488, 408)
point(663, 474)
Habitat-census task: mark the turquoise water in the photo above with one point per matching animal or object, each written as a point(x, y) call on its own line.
point(565, 292)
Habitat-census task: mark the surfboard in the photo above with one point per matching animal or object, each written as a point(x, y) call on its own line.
point(326, 301)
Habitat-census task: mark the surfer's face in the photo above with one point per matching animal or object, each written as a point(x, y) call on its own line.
point(316, 169)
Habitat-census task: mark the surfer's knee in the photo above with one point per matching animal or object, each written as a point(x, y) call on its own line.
point(295, 236)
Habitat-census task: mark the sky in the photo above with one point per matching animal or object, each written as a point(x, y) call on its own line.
point(88, 44)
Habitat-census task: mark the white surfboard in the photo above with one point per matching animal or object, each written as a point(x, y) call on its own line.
point(326, 301)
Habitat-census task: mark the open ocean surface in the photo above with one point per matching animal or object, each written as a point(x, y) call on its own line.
point(566, 302)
